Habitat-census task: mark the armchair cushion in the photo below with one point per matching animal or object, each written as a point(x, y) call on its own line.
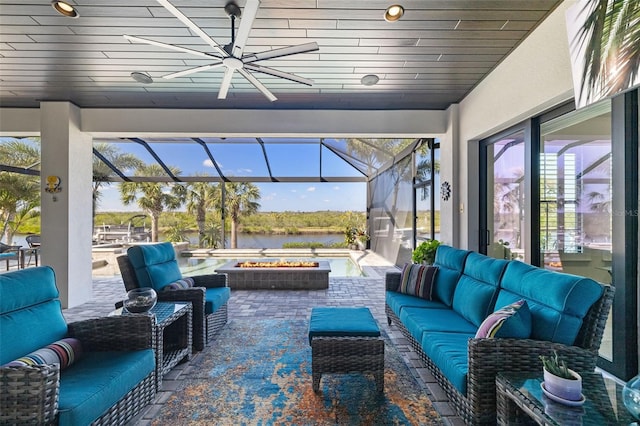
point(98, 381)
point(63, 352)
point(398, 301)
point(511, 321)
point(155, 265)
point(215, 298)
point(417, 280)
point(450, 262)
point(449, 352)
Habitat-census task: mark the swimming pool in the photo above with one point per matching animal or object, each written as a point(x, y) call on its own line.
point(340, 266)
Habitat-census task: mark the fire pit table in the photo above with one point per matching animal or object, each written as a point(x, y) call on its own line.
point(277, 275)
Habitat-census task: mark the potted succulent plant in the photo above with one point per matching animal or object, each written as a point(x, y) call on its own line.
point(425, 252)
point(559, 380)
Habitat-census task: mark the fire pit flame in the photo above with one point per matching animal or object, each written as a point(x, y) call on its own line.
point(278, 264)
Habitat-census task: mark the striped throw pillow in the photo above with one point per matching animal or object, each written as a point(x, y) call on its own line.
point(417, 280)
point(64, 352)
point(186, 282)
point(512, 321)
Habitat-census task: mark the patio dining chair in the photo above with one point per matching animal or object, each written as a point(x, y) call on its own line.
point(8, 253)
point(34, 245)
point(155, 265)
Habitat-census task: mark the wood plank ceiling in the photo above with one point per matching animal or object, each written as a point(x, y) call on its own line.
point(429, 59)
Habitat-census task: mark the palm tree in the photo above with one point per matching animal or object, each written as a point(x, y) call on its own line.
point(241, 199)
point(153, 197)
point(101, 172)
point(200, 197)
point(19, 194)
point(611, 36)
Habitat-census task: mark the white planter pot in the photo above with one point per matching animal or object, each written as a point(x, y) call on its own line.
point(564, 388)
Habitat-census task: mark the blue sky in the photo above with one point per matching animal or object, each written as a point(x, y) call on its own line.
point(243, 157)
point(279, 197)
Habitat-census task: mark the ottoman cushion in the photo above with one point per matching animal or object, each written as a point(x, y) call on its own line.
point(342, 322)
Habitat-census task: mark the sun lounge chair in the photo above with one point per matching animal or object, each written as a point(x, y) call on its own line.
point(8, 252)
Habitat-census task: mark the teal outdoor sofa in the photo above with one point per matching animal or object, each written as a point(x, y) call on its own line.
point(98, 371)
point(155, 266)
point(566, 313)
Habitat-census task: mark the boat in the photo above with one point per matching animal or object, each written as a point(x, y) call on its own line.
point(132, 231)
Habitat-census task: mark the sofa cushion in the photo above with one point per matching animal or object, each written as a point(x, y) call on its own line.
point(417, 280)
point(215, 298)
point(398, 301)
point(450, 263)
point(420, 320)
point(98, 381)
point(63, 352)
point(181, 284)
point(449, 352)
point(511, 321)
point(477, 288)
point(558, 302)
point(155, 265)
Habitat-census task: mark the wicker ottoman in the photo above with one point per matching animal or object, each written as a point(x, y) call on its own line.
point(345, 340)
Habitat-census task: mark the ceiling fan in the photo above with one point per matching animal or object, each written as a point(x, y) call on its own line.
point(231, 56)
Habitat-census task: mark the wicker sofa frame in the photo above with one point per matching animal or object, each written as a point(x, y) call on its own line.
point(487, 357)
point(205, 327)
point(29, 395)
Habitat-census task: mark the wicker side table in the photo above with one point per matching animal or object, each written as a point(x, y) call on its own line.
point(172, 327)
point(345, 340)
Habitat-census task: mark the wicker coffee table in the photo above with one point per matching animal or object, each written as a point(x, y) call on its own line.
point(345, 340)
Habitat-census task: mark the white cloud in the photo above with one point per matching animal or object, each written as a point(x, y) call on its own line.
point(247, 171)
point(327, 201)
point(336, 188)
point(311, 188)
point(294, 190)
point(207, 163)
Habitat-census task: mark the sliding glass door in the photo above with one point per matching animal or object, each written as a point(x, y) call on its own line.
point(576, 216)
point(504, 195)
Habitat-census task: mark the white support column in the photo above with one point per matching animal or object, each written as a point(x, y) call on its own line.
point(66, 215)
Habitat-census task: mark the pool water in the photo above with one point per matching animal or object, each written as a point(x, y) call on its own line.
point(340, 266)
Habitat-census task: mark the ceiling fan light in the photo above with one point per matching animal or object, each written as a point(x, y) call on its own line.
point(393, 13)
point(65, 9)
point(142, 77)
point(369, 80)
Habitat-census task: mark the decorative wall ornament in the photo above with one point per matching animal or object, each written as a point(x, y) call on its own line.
point(445, 190)
point(53, 184)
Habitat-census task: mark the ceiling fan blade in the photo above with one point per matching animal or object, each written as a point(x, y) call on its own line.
point(281, 74)
point(246, 74)
point(167, 46)
point(226, 82)
point(191, 71)
point(246, 22)
point(283, 51)
point(204, 36)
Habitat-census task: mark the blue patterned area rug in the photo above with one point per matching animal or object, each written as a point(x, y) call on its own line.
point(258, 372)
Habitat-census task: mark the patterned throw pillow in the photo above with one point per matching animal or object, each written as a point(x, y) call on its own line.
point(64, 352)
point(186, 282)
point(417, 280)
point(512, 321)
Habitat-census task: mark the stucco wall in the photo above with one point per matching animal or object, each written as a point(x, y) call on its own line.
point(533, 79)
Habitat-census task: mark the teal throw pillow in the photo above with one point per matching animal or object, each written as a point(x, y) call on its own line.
point(511, 321)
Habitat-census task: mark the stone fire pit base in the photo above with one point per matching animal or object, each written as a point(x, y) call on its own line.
point(312, 278)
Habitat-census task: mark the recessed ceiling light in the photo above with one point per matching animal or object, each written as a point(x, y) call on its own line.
point(369, 80)
point(393, 13)
point(142, 77)
point(65, 9)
